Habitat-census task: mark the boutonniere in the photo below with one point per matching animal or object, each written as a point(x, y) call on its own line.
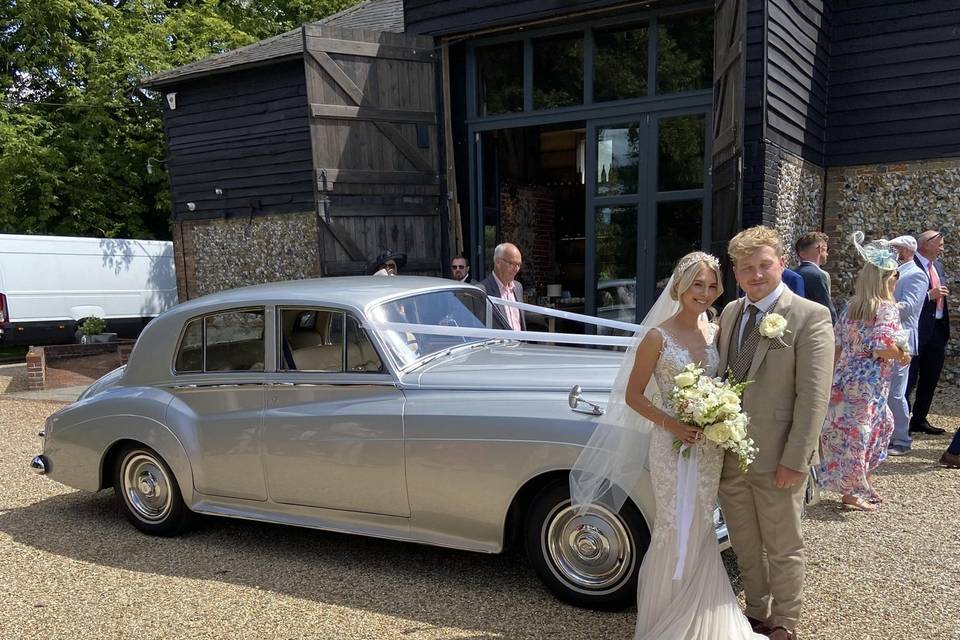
point(773, 327)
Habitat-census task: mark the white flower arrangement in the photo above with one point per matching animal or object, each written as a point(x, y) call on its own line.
point(773, 326)
point(713, 405)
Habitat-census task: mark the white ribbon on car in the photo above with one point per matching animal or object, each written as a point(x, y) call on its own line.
point(687, 480)
point(527, 336)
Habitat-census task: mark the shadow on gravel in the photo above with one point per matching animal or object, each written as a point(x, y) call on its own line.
point(433, 586)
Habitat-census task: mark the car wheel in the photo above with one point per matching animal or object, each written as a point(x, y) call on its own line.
point(148, 493)
point(590, 560)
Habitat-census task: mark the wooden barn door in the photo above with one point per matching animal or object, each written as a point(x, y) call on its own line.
point(374, 132)
point(728, 111)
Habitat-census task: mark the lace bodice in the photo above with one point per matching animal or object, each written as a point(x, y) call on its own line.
point(674, 357)
point(663, 458)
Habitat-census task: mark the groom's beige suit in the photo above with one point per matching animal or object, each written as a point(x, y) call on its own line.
point(787, 402)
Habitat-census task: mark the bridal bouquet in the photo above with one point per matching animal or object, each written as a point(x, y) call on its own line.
point(713, 405)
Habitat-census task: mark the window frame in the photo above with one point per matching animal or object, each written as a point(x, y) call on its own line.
point(203, 341)
point(346, 316)
point(648, 19)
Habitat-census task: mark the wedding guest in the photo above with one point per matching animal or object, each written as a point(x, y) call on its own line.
point(794, 282)
point(460, 269)
point(951, 457)
point(502, 283)
point(859, 423)
point(387, 263)
point(910, 293)
point(813, 249)
point(933, 332)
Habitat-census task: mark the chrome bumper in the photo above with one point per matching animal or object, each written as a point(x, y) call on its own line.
point(39, 465)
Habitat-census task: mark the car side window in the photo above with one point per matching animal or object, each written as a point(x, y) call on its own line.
point(361, 355)
point(190, 355)
point(311, 340)
point(234, 341)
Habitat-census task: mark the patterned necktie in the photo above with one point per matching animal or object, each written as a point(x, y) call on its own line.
point(935, 284)
point(748, 344)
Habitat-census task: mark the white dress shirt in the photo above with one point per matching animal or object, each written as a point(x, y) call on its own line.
point(763, 305)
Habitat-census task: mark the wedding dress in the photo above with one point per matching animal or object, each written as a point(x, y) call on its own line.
point(700, 605)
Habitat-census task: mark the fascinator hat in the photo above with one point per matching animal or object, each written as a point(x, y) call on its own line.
point(878, 253)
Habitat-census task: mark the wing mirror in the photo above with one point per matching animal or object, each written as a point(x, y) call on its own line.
point(575, 397)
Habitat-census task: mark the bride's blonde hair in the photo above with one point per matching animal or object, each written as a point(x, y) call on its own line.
point(687, 269)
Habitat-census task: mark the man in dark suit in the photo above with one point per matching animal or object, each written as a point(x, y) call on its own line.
point(460, 269)
point(813, 250)
point(502, 283)
point(932, 334)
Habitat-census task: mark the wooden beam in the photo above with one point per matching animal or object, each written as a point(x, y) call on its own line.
point(368, 49)
point(342, 237)
point(378, 177)
point(339, 76)
point(341, 112)
point(393, 134)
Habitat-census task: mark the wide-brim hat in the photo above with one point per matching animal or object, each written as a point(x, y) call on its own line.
point(374, 265)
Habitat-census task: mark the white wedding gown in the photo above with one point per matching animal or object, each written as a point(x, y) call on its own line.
point(701, 605)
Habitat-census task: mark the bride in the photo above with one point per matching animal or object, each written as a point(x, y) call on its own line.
point(683, 589)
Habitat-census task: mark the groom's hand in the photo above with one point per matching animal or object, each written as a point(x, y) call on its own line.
point(787, 477)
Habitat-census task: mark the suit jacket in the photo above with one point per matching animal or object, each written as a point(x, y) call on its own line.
point(794, 282)
point(816, 286)
point(929, 329)
point(910, 294)
point(788, 398)
point(489, 284)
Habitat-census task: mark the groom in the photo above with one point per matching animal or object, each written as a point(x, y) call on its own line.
point(790, 368)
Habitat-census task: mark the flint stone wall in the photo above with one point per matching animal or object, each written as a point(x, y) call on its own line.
point(215, 255)
point(888, 200)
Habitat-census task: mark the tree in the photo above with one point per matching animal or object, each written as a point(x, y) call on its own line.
point(76, 129)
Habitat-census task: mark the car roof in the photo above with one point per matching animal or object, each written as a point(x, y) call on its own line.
point(348, 291)
point(153, 353)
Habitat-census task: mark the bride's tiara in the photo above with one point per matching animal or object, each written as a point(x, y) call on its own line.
point(697, 257)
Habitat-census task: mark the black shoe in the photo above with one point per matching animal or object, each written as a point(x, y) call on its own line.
point(922, 426)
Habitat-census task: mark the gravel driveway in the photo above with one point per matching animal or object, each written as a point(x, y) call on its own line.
point(71, 567)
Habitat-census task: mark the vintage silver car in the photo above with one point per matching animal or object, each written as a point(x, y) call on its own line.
point(291, 403)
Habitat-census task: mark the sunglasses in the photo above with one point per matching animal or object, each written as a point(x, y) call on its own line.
point(457, 267)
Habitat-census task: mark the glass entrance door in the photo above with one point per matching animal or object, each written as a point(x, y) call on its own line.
point(647, 205)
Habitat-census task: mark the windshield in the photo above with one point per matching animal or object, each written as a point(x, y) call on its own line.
point(448, 308)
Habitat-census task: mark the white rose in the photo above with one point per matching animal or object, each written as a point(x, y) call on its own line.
point(731, 408)
point(729, 397)
point(773, 325)
point(685, 379)
point(719, 432)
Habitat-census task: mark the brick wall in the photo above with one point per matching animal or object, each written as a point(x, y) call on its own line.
point(528, 219)
point(36, 366)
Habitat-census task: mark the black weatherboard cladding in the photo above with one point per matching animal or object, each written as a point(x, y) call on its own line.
point(442, 17)
point(894, 81)
point(246, 133)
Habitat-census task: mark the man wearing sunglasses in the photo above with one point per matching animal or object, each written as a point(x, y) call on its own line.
point(460, 269)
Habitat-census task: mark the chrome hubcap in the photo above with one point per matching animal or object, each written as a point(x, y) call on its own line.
point(591, 552)
point(146, 487)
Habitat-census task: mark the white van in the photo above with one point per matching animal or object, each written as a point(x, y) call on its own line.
point(50, 283)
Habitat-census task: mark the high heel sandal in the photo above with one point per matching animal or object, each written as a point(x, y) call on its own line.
point(857, 504)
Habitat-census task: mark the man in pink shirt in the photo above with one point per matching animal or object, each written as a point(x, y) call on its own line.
point(501, 283)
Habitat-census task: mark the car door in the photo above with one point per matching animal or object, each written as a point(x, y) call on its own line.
point(218, 402)
point(332, 431)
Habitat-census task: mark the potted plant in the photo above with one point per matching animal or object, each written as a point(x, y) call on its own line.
point(91, 331)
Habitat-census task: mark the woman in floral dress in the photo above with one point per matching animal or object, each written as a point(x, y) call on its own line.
point(859, 424)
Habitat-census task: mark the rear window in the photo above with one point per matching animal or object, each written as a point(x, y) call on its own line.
point(230, 341)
